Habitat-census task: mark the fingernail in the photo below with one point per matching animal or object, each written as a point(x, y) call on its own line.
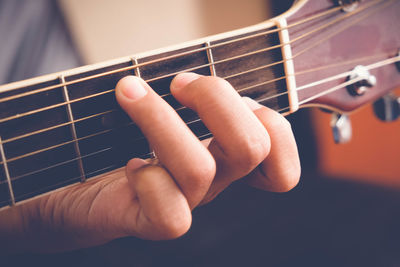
point(252, 104)
point(183, 79)
point(132, 88)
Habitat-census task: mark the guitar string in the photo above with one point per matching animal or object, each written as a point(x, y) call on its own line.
point(18, 116)
point(9, 140)
point(108, 91)
point(174, 56)
point(342, 85)
point(177, 109)
point(66, 182)
point(298, 73)
point(144, 155)
point(369, 67)
point(331, 90)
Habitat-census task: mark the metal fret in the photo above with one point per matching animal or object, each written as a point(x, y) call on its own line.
point(73, 130)
point(3, 158)
point(210, 59)
point(137, 73)
point(136, 69)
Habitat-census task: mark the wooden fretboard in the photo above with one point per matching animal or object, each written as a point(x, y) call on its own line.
point(76, 130)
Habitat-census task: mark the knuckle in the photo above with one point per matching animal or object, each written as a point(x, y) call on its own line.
point(290, 178)
point(278, 121)
point(202, 173)
point(251, 153)
point(174, 225)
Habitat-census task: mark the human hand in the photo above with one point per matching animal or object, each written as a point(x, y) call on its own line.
point(153, 199)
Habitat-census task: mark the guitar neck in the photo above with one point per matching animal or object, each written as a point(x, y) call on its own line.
point(67, 127)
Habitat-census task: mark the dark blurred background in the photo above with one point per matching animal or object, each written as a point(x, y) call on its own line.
point(344, 212)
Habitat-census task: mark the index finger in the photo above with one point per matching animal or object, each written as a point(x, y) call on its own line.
point(177, 148)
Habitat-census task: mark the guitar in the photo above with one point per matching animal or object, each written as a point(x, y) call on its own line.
point(65, 128)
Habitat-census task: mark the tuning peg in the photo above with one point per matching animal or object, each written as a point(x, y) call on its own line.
point(341, 128)
point(387, 108)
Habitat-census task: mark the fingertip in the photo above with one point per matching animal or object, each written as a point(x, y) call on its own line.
point(183, 79)
point(131, 88)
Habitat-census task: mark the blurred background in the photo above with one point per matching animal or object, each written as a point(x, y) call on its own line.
point(344, 212)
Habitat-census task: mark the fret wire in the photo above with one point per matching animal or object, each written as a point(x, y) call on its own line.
point(210, 59)
point(137, 73)
point(176, 55)
point(136, 70)
point(205, 65)
point(7, 173)
point(73, 130)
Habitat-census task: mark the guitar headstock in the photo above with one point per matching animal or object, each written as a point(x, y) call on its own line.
point(347, 59)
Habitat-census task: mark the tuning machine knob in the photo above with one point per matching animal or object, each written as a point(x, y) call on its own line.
point(367, 80)
point(341, 128)
point(387, 108)
point(348, 5)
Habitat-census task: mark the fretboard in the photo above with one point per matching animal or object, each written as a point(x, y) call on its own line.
point(69, 128)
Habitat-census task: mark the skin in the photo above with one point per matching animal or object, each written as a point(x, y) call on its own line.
point(153, 199)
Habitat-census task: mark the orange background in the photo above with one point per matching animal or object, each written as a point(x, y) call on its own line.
point(372, 155)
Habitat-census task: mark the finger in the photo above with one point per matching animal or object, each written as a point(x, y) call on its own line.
point(169, 136)
point(280, 171)
point(164, 211)
point(240, 141)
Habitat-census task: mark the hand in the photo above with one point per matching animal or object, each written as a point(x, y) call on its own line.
point(153, 199)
